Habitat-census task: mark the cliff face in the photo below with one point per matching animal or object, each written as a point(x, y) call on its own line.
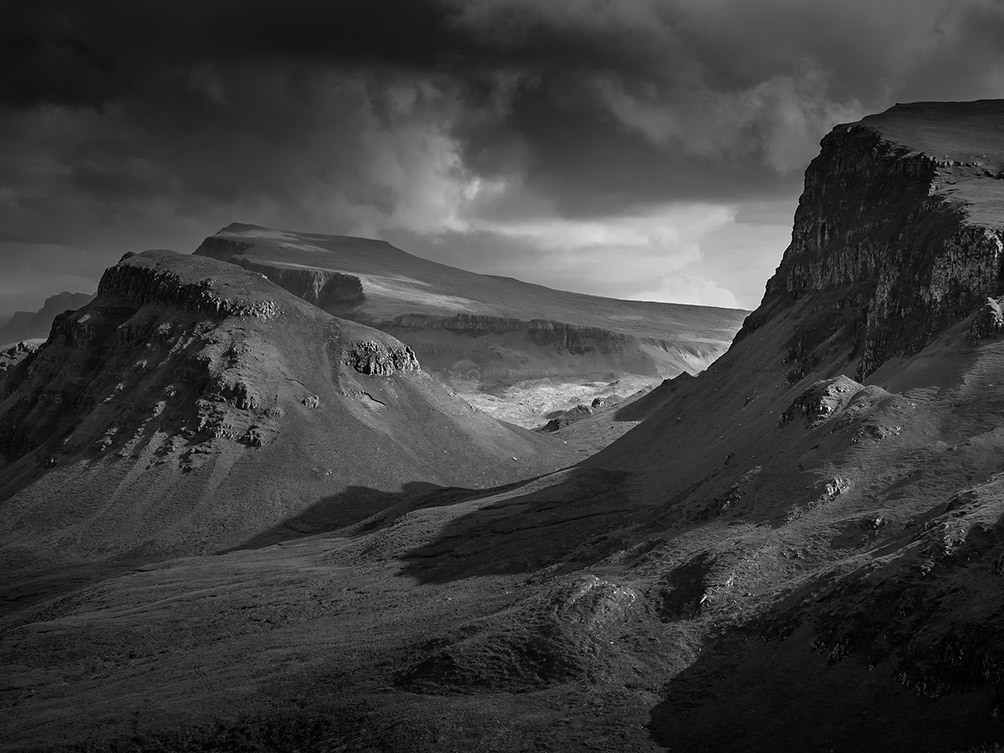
point(146, 280)
point(570, 338)
point(892, 253)
point(334, 292)
point(165, 307)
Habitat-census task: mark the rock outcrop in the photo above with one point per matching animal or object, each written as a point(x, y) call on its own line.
point(822, 401)
point(567, 418)
point(885, 231)
point(988, 322)
point(12, 356)
point(380, 359)
point(335, 292)
point(149, 279)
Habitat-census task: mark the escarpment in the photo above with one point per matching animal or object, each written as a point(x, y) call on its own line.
point(889, 239)
point(334, 292)
point(149, 280)
point(574, 339)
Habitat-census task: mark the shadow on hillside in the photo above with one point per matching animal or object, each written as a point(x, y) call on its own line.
point(747, 692)
point(639, 410)
point(354, 504)
point(362, 510)
point(563, 526)
point(649, 403)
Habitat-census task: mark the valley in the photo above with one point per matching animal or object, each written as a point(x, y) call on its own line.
point(299, 538)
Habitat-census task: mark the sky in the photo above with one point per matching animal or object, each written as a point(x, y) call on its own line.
point(644, 149)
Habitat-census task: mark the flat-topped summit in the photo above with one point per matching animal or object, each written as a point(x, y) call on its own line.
point(901, 226)
point(965, 142)
point(395, 279)
point(957, 131)
point(195, 283)
point(486, 335)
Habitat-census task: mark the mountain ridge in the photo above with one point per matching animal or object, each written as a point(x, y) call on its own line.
point(485, 334)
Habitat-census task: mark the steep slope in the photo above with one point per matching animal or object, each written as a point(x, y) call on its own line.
point(194, 406)
point(485, 333)
point(799, 549)
point(31, 325)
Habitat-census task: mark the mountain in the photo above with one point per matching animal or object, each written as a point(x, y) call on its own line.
point(500, 341)
point(799, 549)
point(27, 325)
point(194, 406)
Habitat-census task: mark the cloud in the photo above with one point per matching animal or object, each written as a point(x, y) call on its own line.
point(356, 155)
point(776, 122)
point(620, 256)
point(613, 146)
point(688, 289)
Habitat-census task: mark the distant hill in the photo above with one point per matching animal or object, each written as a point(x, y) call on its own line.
point(482, 333)
point(30, 325)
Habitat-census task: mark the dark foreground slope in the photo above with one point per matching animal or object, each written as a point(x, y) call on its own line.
point(194, 406)
point(31, 325)
point(798, 550)
point(479, 331)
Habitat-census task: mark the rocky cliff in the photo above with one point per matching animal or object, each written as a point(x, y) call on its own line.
point(148, 280)
point(335, 292)
point(893, 233)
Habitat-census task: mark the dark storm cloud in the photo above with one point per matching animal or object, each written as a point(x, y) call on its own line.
point(629, 99)
point(68, 52)
point(59, 51)
point(468, 126)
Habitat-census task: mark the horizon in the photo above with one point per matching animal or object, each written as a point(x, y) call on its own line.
point(648, 151)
